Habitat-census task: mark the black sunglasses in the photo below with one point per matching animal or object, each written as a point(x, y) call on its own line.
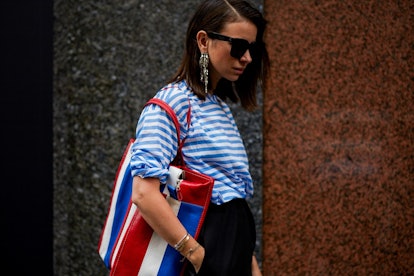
point(239, 46)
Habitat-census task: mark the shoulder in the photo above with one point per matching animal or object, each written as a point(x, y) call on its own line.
point(176, 95)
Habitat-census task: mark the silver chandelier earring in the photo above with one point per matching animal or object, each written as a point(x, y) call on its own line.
point(204, 60)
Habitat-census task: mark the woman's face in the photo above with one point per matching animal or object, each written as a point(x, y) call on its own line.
point(222, 64)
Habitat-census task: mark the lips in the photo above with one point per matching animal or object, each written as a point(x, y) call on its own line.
point(239, 70)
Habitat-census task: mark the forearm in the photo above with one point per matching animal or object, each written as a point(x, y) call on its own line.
point(156, 210)
point(159, 215)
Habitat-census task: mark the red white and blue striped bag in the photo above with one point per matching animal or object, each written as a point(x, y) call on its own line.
point(128, 245)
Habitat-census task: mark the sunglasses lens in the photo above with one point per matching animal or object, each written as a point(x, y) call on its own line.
point(253, 50)
point(239, 47)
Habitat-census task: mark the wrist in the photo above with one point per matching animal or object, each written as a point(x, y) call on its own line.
point(181, 244)
point(195, 255)
point(191, 250)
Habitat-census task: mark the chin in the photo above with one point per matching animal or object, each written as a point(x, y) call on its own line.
point(233, 78)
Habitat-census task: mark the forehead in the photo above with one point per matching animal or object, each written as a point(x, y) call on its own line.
point(242, 29)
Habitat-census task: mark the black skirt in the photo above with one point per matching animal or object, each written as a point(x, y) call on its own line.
point(229, 237)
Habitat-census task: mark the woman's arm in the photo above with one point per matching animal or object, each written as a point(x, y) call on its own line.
point(158, 214)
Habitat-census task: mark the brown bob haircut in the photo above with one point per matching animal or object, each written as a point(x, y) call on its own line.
point(211, 16)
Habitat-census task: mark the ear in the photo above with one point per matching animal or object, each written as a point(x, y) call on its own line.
point(202, 39)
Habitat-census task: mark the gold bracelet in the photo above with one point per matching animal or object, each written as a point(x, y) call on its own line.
point(179, 245)
point(192, 250)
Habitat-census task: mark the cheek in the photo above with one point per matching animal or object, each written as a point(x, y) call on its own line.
point(220, 61)
point(219, 54)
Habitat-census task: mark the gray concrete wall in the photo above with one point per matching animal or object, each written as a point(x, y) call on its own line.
point(110, 57)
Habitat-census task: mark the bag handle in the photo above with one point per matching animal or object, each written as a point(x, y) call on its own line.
point(179, 159)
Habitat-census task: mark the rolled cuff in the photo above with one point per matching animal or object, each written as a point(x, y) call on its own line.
point(145, 172)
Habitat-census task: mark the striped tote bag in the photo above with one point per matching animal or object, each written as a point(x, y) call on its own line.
point(128, 245)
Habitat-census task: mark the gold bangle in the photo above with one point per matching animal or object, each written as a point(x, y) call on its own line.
point(179, 245)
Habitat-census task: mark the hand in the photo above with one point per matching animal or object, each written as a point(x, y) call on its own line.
point(197, 258)
point(255, 267)
point(194, 252)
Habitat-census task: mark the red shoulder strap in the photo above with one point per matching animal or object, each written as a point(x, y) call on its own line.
point(179, 160)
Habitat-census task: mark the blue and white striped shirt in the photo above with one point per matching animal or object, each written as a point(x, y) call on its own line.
point(213, 144)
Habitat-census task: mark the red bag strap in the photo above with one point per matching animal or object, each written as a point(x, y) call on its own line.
point(178, 160)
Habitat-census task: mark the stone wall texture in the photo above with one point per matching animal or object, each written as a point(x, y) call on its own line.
point(338, 137)
point(110, 57)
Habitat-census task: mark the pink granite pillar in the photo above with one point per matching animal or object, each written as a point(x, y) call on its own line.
point(339, 138)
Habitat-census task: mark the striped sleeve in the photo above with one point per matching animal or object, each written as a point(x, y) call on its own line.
point(156, 137)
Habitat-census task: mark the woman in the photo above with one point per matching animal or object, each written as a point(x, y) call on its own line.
point(225, 59)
